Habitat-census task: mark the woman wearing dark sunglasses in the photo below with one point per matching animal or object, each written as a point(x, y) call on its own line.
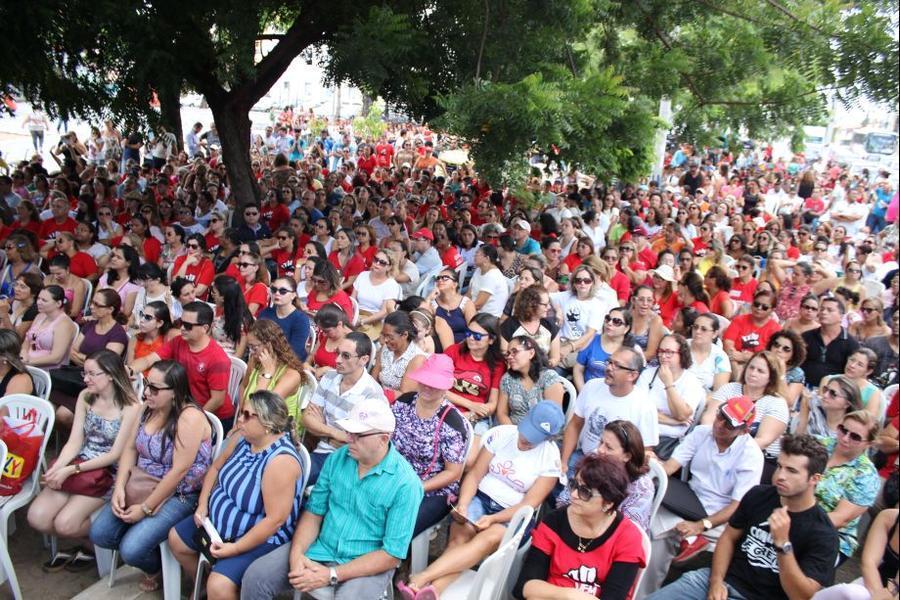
point(527, 381)
point(591, 361)
point(850, 483)
point(590, 534)
point(166, 476)
point(195, 266)
point(232, 316)
point(326, 289)
point(293, 322)
point(154, 328)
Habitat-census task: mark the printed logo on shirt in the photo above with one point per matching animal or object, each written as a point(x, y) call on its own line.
point(469, 382)
point(751, 340)
point(506, 470)
point(201, 367)
point(573, 316)
point(760, 549)
point(585, 579)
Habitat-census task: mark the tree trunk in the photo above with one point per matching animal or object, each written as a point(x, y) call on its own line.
point(233, 124)
point(170, 111)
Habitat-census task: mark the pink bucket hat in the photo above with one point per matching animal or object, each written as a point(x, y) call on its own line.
point(436, 372)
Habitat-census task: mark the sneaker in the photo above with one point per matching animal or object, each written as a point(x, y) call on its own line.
point(691, 549)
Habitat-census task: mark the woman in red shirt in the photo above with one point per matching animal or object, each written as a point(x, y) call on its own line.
point(691, 293)
point(333, 326)
point(256, 292)
point(346, 259)
point(194, 266)
point(327, 290)
point(718, 286)
point(365, 243)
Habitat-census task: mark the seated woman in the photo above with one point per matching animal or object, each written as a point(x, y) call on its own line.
point(159, 474)
point(49, 339)
point(591, 361)
point(527, 381)
point(582, 314)
point(155, 329)
point(232, 316)
point(821, 413)
point(530, 319)
point(850, 483)
point(647, 327)
point(708, 361)
point(327, 290)
point(592, 534)
point(74, 287)
point(253, 281)
point(274, 367)
point(103, 332)
point(293, 322)
point(18, 311)
point(451, 308)
point(79, 482)
point(398, 356)
point(790, 349)
point(377, 293)
point(251, 494)
point(153, 289)
point(21, 258)
point(334, 325)
point(122, 277)
point(195, 266)
point(14, 375)
point(859, 368)
point(490, 495)
point(675, 390)
point(431, 434)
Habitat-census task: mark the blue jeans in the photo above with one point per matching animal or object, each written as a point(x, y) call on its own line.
point(138, 543)
point(693, 585)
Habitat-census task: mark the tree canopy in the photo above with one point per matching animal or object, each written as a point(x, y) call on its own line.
point(577, 79)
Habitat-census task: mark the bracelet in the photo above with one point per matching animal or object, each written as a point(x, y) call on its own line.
point(146, 510)
point(78, 468)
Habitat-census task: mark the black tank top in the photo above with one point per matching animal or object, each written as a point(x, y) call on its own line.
point(890, 563)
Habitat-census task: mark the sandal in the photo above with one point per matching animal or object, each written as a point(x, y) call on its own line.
point(427, 593)
point(82, 561)
point(150, 583)
point(59, 561)
point(406, 592)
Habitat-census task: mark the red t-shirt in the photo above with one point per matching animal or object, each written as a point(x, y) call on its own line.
point(340, 298)
point(257, 293)
point(715, 303)
point(82, 264)
point(700, 247)
point(743, 292)
point(368, 255)
point(893, 417)
point(208, 371)
point(747, 336)
point(451, 258)
point(152, 249)
point(50, 228)
point(354, 266)
point(384, 153)
point(648, 257)
point(212, 242)
point(472, 379)
point(367, 164)
point(668, 308)
point(232, 271)
point(202, 273)
point(285, 262)
point(572, 261)
point(586, 571)
point(621, 284)
point(275, 216)
point(33, 226)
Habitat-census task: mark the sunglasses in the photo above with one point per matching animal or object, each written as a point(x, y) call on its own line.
point(96, 305)
point(869, 309)
point(244, 265)
point(280, 290)
point(831, 393)
point(147, 317)
point(614, 320)
point(743, 268)
point(726, 420)
point(194, 246)
point(154, 389)
point(251, 214)
point(584, 493)
point(761, 306)
point(445, 278)
point(782, 347)
point(189, 326)
point(843, 431)
point(246, 415)
point(583, 280)
point(382, 262)
point(283, 238)
point(475, 335)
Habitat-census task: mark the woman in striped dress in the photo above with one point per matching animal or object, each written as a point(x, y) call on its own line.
point(251, 494)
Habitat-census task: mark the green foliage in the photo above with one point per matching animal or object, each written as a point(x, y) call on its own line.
point(372, 126)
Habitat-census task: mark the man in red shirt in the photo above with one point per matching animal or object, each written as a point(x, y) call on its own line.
point(207, 365)
point(384, 153)
point(61, 221)
point(750, 333)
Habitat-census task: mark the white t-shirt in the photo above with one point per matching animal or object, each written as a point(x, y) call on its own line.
point(579, 315)
point(597, 406)
point(494, 283)
point(512, 472)
point(688, 387)
point(767, 406)
point(715, 362)
point(371, 297)
point(336, 405)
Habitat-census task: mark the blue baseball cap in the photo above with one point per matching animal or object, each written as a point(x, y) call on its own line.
point(543, 421)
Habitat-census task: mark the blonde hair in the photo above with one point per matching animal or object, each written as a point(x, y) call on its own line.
point(867, 420)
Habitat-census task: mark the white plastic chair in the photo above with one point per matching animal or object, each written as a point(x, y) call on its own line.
point(88, 294)
point(645, 544)
point(23, 406)
point(515, 570)
point(886, 397)
point(572, 394)
point(311, 339)
point(42, 383)
point(427, 281)
point(238, 370)
point(873, 288)
point(355, 319)
point(660, 484)
point(723, 323)
point(488, 582)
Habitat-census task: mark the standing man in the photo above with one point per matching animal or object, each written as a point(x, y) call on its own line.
point(337, 547)
point(339, 391)
point(828, 346)
point(192, 140)
point(778, 545)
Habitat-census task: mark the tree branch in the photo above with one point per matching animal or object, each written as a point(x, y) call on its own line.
point(270, 36)
point(484, 31)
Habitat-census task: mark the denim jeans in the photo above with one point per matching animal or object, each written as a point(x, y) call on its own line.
point(691, 586)
point(138, 543)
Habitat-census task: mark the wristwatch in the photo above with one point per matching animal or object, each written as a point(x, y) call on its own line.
point(146, 510)
point(332, 577)
point(77, 468)
point(786, 549)
point(707, 524)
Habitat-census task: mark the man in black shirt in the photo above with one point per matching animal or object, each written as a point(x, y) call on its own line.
point(778, 545)
point(828, 346)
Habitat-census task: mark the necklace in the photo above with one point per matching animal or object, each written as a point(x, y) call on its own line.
point(583, 545)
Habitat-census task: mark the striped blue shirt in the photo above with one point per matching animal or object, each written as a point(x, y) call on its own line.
point(377, 512)
point(236, 503)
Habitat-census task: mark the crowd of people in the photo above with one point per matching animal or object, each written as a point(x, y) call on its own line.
point(444, 349)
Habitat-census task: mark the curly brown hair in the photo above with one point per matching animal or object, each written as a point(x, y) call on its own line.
point(528, 304)
point(272, 337)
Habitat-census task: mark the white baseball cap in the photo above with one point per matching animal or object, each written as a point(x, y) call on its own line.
point(369, 415)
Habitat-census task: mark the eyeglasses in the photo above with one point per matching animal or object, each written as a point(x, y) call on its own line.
point(854, 271)
point(809, 306)
point(244, 265)
point(347, 355)
point(382, 262)
point(832, 393)
point(614, 320)
point(761, 306)
point(666, 352)
point(246, 415)
point(96, 305)
point(513, 351)
point(154, 389)
point(359, 436)
point(280, 290)
point(147, 317)
point(844, 432)
point(583, 281)
point(869, 309)
point(476, 335)
point(782, 347)
point(743, 268)
point(584, 493)
point(189, 326)
point(821, 248)
point(93, 375)
point(613, 365)
point(194, 246)
point(104, 213)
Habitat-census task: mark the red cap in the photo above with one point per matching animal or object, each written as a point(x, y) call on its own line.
point(423, 233)
point(739, 410)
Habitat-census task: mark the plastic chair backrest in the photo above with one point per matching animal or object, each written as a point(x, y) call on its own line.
point(305, 465)
point(886, 396)
point(88, 295)
point(218, 434)
point(515, 569)
point(571, 394)
point(873, 288)
point(470, 437)
point(138, 384)
point(355, 318)
point(26, 406)
point(235, 376)
point(308, 389)
point(723, 323)
point(645, 545)
point(660, 484)
point(42, 382)
point(2, 452)
point(427, 281)
point(492, 574)
point(311, 339)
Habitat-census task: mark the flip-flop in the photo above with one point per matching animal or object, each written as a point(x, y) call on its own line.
point(406, 592)
point(150, 583)
point(428, 593)
point(59, 561)
point(82, 561)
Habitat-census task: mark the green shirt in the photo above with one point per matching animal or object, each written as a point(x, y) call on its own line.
point(377, 512)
